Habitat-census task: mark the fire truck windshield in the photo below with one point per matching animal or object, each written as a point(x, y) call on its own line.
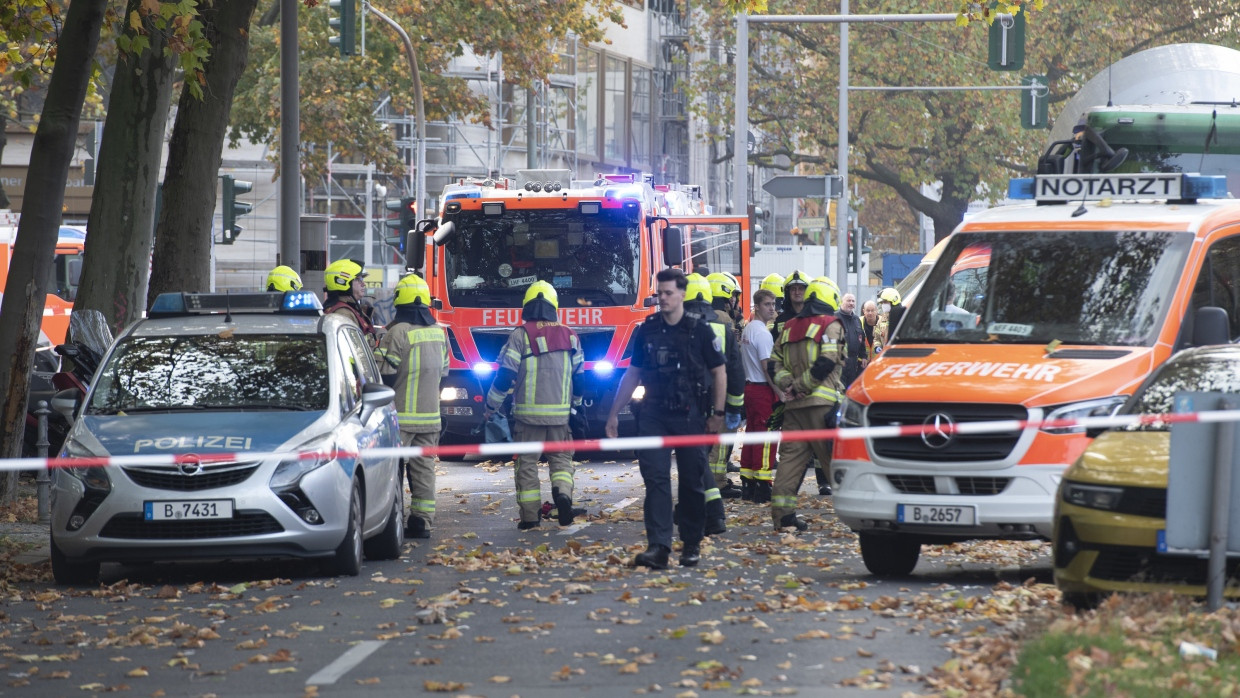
point(590, 260)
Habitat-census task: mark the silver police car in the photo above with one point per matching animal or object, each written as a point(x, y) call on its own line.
point(230, 373)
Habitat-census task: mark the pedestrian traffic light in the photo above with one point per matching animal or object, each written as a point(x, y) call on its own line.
point(1007, 42)
point(1033, 102)
point(399, 227)
point(233, 208)
point(344, 22)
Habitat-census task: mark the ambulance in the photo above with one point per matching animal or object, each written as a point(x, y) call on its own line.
point(1049, 310)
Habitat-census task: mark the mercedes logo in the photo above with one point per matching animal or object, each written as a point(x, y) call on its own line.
point(940, 430)
point(190, 464)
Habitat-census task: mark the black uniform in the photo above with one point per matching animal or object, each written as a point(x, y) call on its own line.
point(675, 363)
point(854, 336)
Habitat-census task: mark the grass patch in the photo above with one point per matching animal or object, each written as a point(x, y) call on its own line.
point(1130, 646)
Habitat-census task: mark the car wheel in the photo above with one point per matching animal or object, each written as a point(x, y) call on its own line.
point(70, 573)
point(1082, 600)
point(390, 542)
point(348, 560)
point(889, 556)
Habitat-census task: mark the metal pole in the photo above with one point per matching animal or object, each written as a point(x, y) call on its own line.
point(420, 111)
point(740, 134)
point(531, 156)
point(290, 132)
point(1220, 511)
point(43, 480)
point(841, 208)
point(844, 18)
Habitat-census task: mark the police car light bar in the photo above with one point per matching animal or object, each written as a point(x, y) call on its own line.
point(1168, 186)
point(292, 302)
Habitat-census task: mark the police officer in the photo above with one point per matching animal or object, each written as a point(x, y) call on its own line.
point(283, 279)
point(413, 359)
point(541, 365)
point(345, 286)
point(679, 361)
point(808, 360)
point(718, 486)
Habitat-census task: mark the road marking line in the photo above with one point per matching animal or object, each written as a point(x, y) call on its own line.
point(615, 507)
point(356, 655)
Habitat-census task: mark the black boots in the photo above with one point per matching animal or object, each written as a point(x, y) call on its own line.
point(791, 521)
point(716, 520)
point(730, 491)
point(747, 489)
point(416, 528)
point(563, 507)
point(761, 491)
point(824, 483)
point(655, 557)
point(527, 525)
point(690, 554)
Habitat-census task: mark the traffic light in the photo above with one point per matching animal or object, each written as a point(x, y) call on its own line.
point(1033, 102)
point(1007, 42)
point(756, 215)
point(344, 22)
point(233, 208)
point(852, 250)
point(399, 227)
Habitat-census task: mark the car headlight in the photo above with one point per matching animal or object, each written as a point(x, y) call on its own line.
point(290, 470)
point(453, 394)
point(1092, 496)
point(92, 477)
point(1104, 407)
point(852, 414)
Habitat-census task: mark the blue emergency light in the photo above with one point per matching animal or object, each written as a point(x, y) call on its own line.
point(289, 303)
point(1122, 186)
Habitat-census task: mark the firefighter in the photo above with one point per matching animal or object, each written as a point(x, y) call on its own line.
point(794, 296)
point(775, 284)
point(718, 485)
point(679, 361)
point(541, 365)
point(413, 359)
point(807, 362)
point(283, 279)
point(890, 311)
point(345, 287)
point(723, 290)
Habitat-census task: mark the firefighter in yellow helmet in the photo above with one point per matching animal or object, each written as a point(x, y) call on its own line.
point(413, 359)
point(723, 289)
point(344, 282)
point(889, 313)
point(541, 364)
point(283, 279)
point(808, 360)
point(775, 284)
point(717, 484)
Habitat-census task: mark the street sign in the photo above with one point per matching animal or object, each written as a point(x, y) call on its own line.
point(804, 186)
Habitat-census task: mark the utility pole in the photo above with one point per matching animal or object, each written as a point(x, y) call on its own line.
point(420, 110)
point(290, 132)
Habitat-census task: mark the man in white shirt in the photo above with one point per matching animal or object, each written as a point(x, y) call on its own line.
point(758, 460)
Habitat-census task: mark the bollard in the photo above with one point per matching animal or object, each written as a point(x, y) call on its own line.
point(44, 479)
point(1220, 513)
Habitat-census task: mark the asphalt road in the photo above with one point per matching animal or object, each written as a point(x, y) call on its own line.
point(483, 609)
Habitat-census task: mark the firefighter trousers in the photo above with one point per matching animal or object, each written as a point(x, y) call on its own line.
point(420, 472)
point(529, 489)
point(758, 460)
point(794, 456)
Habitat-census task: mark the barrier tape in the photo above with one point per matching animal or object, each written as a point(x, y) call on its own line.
point(633, 443)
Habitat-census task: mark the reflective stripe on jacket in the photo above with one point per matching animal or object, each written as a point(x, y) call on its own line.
point(543, 388)
point(418, 357)
point(799, 346)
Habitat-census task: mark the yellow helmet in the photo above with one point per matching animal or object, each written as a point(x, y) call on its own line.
point(698, 288)
point(774, 283)
point(339, 275)
point(890, 295)
point(821, 289)
point(283, 279)
point(722, 284)
point(796, 277)
point(827, 280)
point(544, 290)
point(412, 289)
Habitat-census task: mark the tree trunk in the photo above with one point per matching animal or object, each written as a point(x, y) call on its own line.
point(122, 212)
point(4, 140)
point(35, 247)
point(183, 239)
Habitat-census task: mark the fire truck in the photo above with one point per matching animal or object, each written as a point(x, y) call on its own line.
point(598, 242)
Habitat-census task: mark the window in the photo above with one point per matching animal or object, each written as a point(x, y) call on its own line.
point(1217, 284)
point(639, 148)
point(587, 103)
point(615, 110)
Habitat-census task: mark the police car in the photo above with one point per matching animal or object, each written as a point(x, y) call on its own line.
point(230, 374)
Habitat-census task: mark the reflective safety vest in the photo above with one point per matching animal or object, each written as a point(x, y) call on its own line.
point(801, 342)
point(544, 356)
point(418, 357)
point(734, 370)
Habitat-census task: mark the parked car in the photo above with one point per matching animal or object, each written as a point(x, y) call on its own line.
point(236, 374)
point(1110, 512)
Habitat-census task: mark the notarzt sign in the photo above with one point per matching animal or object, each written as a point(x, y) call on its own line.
point(1137, 185)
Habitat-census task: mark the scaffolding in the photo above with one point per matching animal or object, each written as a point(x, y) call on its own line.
point(670, 46)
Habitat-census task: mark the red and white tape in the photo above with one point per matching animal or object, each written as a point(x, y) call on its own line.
point(633, 443)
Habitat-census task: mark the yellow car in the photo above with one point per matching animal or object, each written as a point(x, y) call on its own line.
point(1110, 512)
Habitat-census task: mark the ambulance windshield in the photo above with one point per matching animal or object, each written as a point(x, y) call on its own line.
point(1085, 288)
point(591, 260)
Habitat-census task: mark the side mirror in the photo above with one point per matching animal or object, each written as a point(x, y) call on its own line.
point(649, 302)
point(415, 245)
point(673, 246)
point(445, 232)
point(1210, 326)
point(66, 402)
point(374, 396)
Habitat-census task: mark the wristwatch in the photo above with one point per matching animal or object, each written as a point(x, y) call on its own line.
point(717, 413)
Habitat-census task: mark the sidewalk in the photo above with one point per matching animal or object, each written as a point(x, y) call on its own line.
point(34, 538)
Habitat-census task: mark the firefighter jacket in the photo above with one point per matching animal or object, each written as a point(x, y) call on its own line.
point(413, 359)
point(809, 358)
point(731, 354)
point(541, 365)
point(353, 312)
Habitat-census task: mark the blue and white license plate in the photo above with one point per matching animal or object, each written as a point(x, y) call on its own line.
point(191, 510)
point(936, 514)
